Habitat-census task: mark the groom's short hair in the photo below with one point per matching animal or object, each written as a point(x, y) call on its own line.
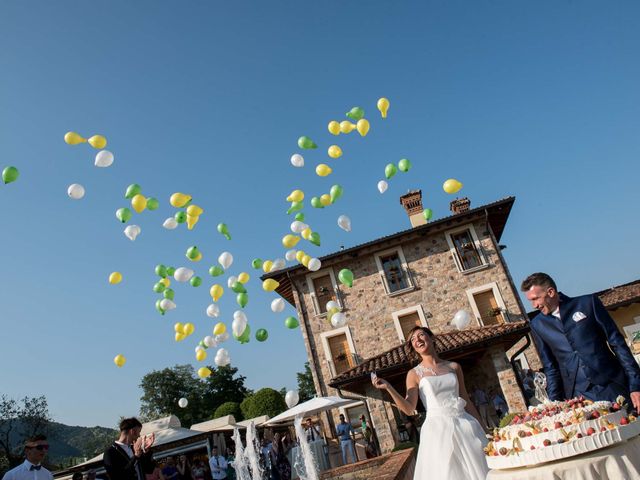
point(129, 423)
point(539, 279)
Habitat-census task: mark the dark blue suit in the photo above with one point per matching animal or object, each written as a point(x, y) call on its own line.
point(584, 356)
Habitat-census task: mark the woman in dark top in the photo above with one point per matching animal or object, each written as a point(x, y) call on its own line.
point(281, 468)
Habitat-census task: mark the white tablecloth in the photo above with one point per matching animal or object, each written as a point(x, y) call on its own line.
point(618, 462)
point(317, 448)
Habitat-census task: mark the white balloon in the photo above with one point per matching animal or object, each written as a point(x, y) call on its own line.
point(213, 311)
point(382, 186)
point(238, 325)
point(290, 255)
point(183, 402)
point(314, 264)
point(344, 223)
point(222, 358)
point(199, 347)
point(461, 319)
point(104, 158)
point(298, 226)
point(223, 337)
point(278, 264)
point(277, 305)
point(332, 304)
point(338, 320)
point(297, 160)
point(210, 342)
point(183, 274)
point(132, 231)
point(75, 191)
point(292, 398)
point(241, 315)
point(170, 223)
point(166, 304)
point(225, 259)
point(232, 279)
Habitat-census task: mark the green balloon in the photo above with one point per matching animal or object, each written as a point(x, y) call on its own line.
point(300, 217)
point(180, 217)
point(306, 143)
point(356, 113)
point(222, 228)
point(315, 238)
point(242, 299)
point(257, 263)
point(193, 252)
point(10, 174)
point(216, 271)
point(152, 203)
point(237, 287)
point(404, 165)
point(295, 207)
point(159, 308)
point(261, 335)
point(390, 170)
point(291, 322)
point(171, 271)
point(245, 336)
point(132, 190)
point(169, 294)
point(195, 281)
point(346, 277)
point(123, 214)
point(202, 344)
point(335, 192)
point(427, 214)
point(159, 287)
point(161, 270)
point(316, 203)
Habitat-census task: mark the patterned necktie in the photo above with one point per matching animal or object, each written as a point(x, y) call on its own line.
point(35, 467)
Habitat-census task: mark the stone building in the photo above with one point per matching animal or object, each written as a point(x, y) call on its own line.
point(419, 276)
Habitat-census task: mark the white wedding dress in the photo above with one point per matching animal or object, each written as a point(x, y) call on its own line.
point(451, 440)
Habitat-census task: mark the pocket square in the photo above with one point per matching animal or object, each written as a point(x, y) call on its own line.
point(578, 316)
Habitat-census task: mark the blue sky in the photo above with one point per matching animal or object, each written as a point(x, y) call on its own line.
point(537, 100)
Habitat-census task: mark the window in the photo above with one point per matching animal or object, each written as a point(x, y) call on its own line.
point(323, 288)
point(465, 248)
point(408, 318)
point(393, 270)
point(339, 350)
point(487, 304)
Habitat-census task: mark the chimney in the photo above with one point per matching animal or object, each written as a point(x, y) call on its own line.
point(412, 203)
point(460, 205)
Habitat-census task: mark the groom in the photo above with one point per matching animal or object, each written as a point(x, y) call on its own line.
point(581, 348)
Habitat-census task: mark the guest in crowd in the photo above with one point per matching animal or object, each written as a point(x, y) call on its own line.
point(499, 403)
point(280, 466)
point(198, 471)
point(369, 440)
point(76, 476)
point(169, 471)
point(91, 475)
point(230, 456)
point(265, 456)
point(481, 401)
point(345, 434)
point(129, 457)
point(156, 474)
point(217, 464)
point(312, 431)
point(184, 467)
point(35, 449)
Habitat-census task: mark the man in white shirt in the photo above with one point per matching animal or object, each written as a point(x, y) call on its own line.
point(218, 465)
point(35, 449)
point(312, 431)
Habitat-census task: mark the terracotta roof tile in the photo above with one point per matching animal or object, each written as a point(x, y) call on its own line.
point(621, 295)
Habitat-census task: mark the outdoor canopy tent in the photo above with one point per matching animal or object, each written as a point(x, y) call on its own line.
point(310, 407)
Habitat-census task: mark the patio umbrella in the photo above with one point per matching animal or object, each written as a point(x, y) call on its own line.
point(311, 407)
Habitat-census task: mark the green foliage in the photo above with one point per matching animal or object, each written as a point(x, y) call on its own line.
point(266, 401)
point(404, 446)
point(506, 420)
point(306, 388)
point(229, 408)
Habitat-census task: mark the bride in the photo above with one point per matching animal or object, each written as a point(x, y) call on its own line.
point(451, 439)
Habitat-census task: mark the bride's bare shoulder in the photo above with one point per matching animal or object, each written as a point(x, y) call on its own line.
point(454, 366)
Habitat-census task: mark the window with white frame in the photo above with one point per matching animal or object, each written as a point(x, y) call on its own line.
point(339, 350)
point(465, 248)
point(393, 270)
point(404, 320)
point(323, 288)
point(487, 304)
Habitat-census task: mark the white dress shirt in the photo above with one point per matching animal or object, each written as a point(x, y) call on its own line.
point(126, 448)
point(218, 466)
point(556, 313)
point(24, 472)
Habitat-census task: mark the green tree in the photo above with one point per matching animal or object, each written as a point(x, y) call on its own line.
point(229, 408)
point(306, 387)
point(266, 401)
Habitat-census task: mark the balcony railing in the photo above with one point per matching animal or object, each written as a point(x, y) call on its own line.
point(397, 282)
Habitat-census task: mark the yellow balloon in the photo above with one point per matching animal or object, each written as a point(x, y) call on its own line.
point(166, 282)
point(334, 151)
point(383, 106)
point(269, 285)
point(334, 127)
point(363, 127)
point(179, 200)
point(194, 210)
point(191, 221)
point(290, 241)
point(296, 196)
point(198, 257)
point(139, 203)
point(188, 329)
point(115, 278)
point(346, 126)
point(98, 142)
point(323, 170)
point(201, 355)
point(216, 292)
point(204, 372)
point(178, 327)
point(72, 138)
point(451, 186)
point(300, 255)
point(243, 277)
point(219, 328)
point(305, 260)
point(119, 360)
point(266, 266)
point(180, 336)
point(325, 200)
point(306, 233)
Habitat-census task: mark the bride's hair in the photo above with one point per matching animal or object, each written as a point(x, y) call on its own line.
point(415, 329)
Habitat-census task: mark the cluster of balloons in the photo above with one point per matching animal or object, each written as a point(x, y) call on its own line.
point(357, 115)
point(10, 174)
point(163, 286)
point(390, 170)
point(184, 330)
point(335, 316)
point(190, 214)
point(96, 141)
point(103, 159)
point(138, 202)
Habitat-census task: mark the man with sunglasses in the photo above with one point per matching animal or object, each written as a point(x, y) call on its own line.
point(35, 449)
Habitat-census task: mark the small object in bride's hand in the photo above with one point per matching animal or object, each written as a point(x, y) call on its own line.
point(374, 377)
